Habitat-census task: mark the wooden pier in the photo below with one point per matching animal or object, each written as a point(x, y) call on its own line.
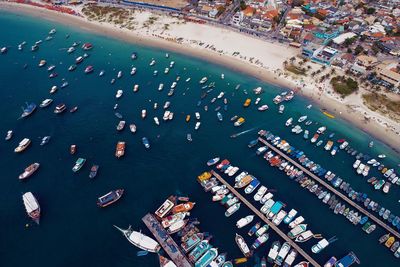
point(264, 219)
point(166, 241)
point(332, 189)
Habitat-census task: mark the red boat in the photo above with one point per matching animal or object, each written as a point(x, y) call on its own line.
point(341, 140)
point(224, 162)
point(87, 46)
point(72, 149)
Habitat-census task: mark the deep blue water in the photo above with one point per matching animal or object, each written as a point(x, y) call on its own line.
point(73, 230)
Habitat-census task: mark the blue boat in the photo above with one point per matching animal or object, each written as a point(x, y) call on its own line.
point(207, 258)
point(363, 220)
point(252, 143)
point(199, 250)
point(145, 142)
point(396, 221)
point(142, 253)
point(347, 260)
point(28, 110)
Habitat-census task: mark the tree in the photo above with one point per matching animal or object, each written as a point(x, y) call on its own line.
point(358, 49)
point(243, 5)
point(285, 63)
point(292, 59)
point(370, 10)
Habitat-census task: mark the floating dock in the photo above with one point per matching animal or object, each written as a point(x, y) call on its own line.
point(166, 241)
point(332, 189)
point(264, 219)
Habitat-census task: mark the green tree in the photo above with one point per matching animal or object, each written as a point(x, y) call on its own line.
point(370, 10)
point(243, 5)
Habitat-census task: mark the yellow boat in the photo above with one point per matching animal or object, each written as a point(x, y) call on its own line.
point(204, 176)
point(384, 170)
point(328, 114)
point(239, 122)
point(240, 260)
point(187, 118)
point(247, 102)
point(389, 242)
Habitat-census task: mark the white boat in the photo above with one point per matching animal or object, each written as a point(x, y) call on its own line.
point(132, 128)
point(197, 114)
point(119, 74)
point(220, 95)
point(156, 121)
point(166, 104)
point(302, 118)
point(279, 217)
point(46, 102)
point(119, 94)
point(296, 222)
point(9, 135)
point(300, 228)
point(289, 122)
point(321, 130)
point(160, 87)
point(53, 89)
point(140, 240)
point(323, 243)
point(305, 236)
point(260, 193)
point(155, 105)
point(203, 80)
point(257, 101)
point(197, 126)
point(133, 71)
point(31, 206)
point(263, 108)
point(166, 70)
point(171, 64)
point(143, 113)
point(244, 221)
point(265, 198)
point(173, 85)
point(166, 115)
point(22, 145)
point(135, 88)
point(282, 253)
point(152, 62)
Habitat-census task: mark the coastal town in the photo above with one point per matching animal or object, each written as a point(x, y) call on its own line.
point(201, 133)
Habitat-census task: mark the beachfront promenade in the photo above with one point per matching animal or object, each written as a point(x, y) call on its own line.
point(332, 189)
point(164, 239)
point(263, 218)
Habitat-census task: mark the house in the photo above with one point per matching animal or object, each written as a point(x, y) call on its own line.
point(366, 61)
point(388, 72)
point(339, 40)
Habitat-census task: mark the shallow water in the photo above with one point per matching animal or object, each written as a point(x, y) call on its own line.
point(73, 230)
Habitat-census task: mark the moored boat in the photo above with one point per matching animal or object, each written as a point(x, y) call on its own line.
point(78, 164)
point(140, 240)
point(120, 149)
point(244, 248)
point(31, 206)
point(110, 198)
point(22, 145)
point(31, 169)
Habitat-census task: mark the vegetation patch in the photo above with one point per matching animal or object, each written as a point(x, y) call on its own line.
point(296, 70)
point(382, 104)
point(344, 85)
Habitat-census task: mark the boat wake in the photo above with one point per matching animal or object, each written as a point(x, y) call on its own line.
point(246, 131)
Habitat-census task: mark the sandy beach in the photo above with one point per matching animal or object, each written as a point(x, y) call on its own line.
point(239, 52)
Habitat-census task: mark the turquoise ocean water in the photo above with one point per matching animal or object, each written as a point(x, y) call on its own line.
point(73, 230)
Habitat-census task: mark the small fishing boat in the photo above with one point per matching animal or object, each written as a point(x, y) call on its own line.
point(93, 171)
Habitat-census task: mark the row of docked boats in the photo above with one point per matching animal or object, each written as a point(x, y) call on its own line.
point(337, 182)
point(390, 242)
point(363, 162)
point(194, 243)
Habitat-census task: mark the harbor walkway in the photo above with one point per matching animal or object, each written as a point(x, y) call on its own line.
point(166, 242)
point(330, 188)
point(263, 218)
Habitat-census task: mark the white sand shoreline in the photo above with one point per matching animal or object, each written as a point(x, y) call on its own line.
point(272, 58)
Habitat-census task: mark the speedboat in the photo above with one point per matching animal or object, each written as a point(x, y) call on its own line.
point(263, 108)
point(119, 94)
point(203, 80)
point(89, 69)
point(46, 102)
point(28, 110)
point(59, 108)
point(72, 67)
point(9, 135)
point(132, 128)
point(145, 142)
point(45, 140)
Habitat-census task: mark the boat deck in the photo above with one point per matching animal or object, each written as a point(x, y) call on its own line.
point(264, 219)
point(165, 240)
point(330, 188)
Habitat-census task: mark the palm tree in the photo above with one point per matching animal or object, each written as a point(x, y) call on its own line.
point(285, 63)
point(292, 59)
